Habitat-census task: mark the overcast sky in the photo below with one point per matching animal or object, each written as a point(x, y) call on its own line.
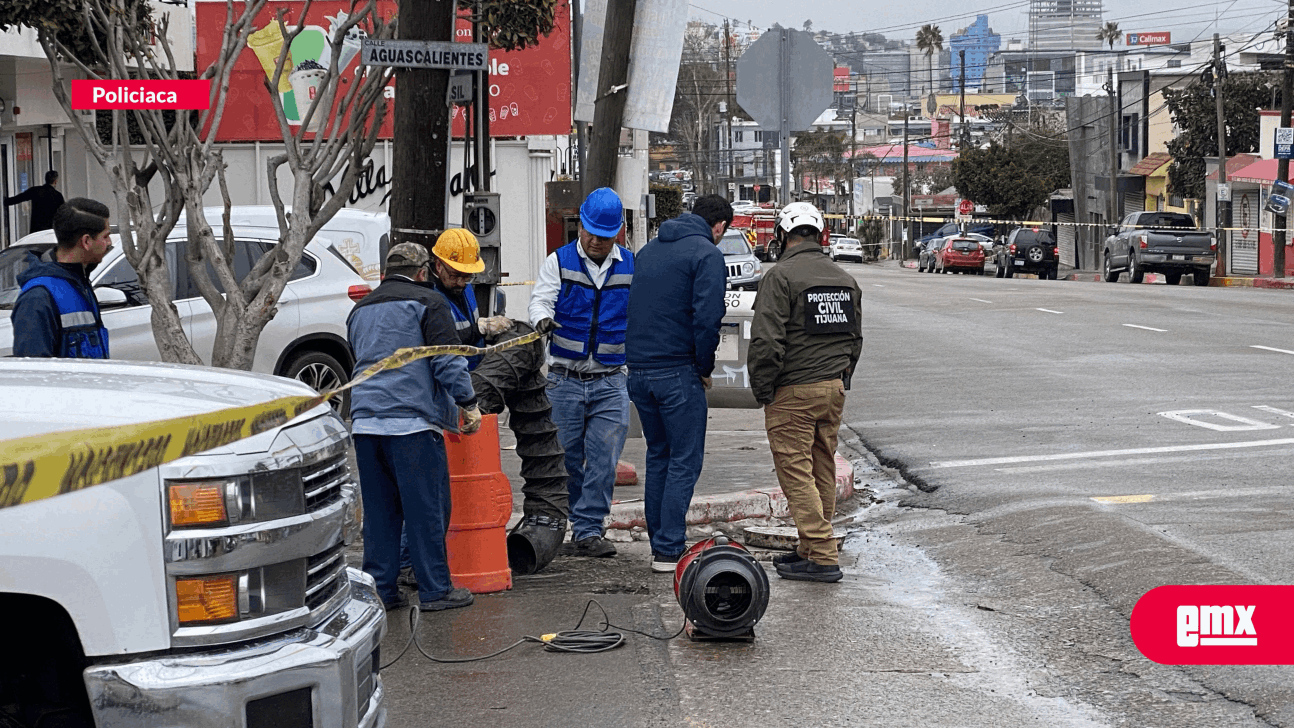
point(1185, 19)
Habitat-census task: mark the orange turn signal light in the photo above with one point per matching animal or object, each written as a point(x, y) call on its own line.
point(197, 504)
point(207, 599)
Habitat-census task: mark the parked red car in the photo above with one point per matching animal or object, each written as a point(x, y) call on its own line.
point(960, 254)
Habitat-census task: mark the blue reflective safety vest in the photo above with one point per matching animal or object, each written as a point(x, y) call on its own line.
point(463, 321)
point(84, 335)
point(592, 319)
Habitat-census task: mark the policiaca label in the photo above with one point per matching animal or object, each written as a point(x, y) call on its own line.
point(49, 464)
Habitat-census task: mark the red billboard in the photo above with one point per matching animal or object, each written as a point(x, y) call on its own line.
point(530, 90)
point(840, 79)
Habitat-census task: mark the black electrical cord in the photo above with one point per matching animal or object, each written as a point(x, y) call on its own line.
point(575, 640)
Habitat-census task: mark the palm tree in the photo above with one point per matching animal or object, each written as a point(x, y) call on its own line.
point(931, 40)
point(1109, 34)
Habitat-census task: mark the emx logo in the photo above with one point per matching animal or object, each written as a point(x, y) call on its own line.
point(1215, 625)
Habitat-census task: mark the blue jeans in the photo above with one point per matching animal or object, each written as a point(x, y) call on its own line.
point(592, 421)
point(405, 480)
point(671, 404)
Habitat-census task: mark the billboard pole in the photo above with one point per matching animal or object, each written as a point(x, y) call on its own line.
point(1283, 166)
point(784, 102)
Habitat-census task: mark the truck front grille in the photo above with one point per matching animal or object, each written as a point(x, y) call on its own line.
point(734, 271)
point(325, 576)
point(322, 482)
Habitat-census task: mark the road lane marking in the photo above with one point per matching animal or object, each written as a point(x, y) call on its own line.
point(1246, 424)
point(941, 464)
point(1268, 348)
point(1192, 495)
point(981, 300)
point(1047, 310)
point(1273, 410)
point(1128, 462)
point(1147, 328)
point(878, 285)
point(1124, 498)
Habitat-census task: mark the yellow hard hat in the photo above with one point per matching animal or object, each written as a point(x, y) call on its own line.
point(458, 249)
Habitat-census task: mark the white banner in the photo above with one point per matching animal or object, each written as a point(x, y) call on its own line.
point(653, 61)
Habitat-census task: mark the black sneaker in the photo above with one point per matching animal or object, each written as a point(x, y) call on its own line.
point(400, 603)
point(662, 564)
point(592, 546)
point(810, 571)
point(454, 599)
point(407, 579)
point(792, 558)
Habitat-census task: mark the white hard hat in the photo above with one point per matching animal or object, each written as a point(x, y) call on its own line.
point(798, 214)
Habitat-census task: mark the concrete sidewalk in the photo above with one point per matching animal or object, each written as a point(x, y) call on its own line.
point(737, 483)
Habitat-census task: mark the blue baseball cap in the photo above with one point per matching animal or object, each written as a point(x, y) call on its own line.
point(602, 213)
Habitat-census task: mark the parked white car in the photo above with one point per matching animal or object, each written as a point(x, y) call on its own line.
point(843, 248)
point(306, 339)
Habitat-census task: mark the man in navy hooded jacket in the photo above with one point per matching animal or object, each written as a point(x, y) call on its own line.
point(675, 311)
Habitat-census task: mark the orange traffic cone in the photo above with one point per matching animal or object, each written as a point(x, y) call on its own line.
point(482, 503)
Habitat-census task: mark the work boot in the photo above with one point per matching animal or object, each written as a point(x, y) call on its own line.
point(810, 571)
point(592, 546)
point(454, 599)
point(407, 579)
point(792, 558)
point(534, 542)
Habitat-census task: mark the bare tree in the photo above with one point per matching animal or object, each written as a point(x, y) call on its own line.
point(337, 152)
point(184, 156)
point(697, 94)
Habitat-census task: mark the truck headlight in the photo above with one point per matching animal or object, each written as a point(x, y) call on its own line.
point(207, 599)
point(747, 269)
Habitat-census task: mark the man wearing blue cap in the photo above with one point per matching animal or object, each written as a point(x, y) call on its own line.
point(582, 298)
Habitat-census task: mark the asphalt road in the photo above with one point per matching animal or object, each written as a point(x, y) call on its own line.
point(1115, 436)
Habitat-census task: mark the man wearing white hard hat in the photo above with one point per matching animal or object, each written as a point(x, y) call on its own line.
point(805, 341)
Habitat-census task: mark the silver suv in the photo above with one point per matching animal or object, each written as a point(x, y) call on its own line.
point(744, 269)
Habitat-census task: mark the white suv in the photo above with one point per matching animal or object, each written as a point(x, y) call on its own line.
point(305, 340)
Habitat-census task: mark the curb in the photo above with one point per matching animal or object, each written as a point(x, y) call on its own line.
point(1096, 277)
point(728, 507)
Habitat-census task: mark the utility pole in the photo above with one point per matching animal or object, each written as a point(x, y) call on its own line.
point(1223, 215)
point(609, 103)
point(727, 75)
point(1113, 206)
point(961, 54)
point(420, 170)
point(1283, 166)
point(907, 188)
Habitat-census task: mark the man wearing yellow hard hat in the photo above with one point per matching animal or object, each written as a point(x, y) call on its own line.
point(458, 258)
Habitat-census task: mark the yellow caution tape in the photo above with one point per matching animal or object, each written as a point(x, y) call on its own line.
point(1031, 223)
point(43, 466)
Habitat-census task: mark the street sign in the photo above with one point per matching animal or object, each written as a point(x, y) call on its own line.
point(460, 88)
point(965, 207)
point(424, 54)
point(806, 79)
point(1284, 142)
point(784, 82)
point(1224, 192)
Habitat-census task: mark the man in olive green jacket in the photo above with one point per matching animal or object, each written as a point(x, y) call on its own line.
point(805, 341)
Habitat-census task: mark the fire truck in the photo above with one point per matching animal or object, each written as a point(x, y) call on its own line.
point(760, 230)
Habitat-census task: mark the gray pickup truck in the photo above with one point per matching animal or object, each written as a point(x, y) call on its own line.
point(1159, 242)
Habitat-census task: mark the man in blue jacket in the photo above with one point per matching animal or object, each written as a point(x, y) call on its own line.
point(675, 310)
point(56, 314)
point(397, 418)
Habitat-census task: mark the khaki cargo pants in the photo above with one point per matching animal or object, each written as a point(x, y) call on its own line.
point(802, 424)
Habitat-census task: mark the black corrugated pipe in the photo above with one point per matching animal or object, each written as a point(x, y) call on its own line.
point(512, 379)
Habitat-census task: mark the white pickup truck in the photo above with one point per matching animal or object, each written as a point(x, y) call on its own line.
point(210, 591)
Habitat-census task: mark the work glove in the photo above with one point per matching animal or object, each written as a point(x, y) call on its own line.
point(471, 419)
point(546, 326)
point(494, 325)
